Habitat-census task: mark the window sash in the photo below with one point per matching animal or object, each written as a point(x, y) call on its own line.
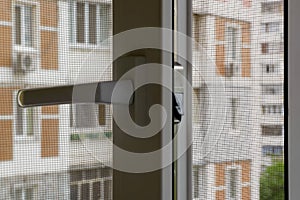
point(87, 115)
point(24, 25)
point(271, 7)
point(26, 122)
point(270, 27)
point(234, 108)
point(233, 183)
point(232, 42)
point(272, 109)
point(272, 130)
point(24, 193)
point(89, 23)
point(270, 68)
point(272, 89)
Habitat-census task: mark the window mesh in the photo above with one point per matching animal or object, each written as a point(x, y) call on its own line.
point(65, 151)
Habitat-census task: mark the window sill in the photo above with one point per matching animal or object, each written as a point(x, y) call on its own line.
point(25, 139)
point(87, 47)
point(21, 49)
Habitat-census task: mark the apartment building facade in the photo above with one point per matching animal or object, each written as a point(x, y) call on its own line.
point(272, 79)
point(64, 152)
point(225, 57)
point(34, 144)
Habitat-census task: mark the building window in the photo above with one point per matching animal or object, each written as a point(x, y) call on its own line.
point(27, 121)
point(25, 193)
point(232, 42)
point(234, 108)
point(196, 181)
point(270, 68)
point(232, 68)
point(233, 182)
point(24, 25)
point(270, 150)
point(93, 183)
point(87, 115)
point(271, 7)
point(272, 89)
point(272, 130)
point(264, 48)
point(90, 22)
point(271, 48)
point(272, 109)
point(270, 27)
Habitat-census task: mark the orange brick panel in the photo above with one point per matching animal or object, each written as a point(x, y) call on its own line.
point(50, 138)
point(50, 110)
point(220, 59)
point(5, 10)
point(220, 195)
point(246, 193)
point(220, 174)
point(6, 101)
point(220, 28)
point(246, 171)
point(6, 140)
point(49, 47)
point(246, 33)
point(49, 13)
point(5, 46)
point(246, 62)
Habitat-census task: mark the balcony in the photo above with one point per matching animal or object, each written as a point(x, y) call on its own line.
point(227, 9)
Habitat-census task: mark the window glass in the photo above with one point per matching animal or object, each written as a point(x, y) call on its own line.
point(65, 151)
point(24, 25)
point(92, 22)
point(80, 19)
point(233, 177)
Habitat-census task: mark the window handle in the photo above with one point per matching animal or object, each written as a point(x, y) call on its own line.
point(99, 93)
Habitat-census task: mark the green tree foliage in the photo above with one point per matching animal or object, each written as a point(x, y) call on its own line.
point(272, 182)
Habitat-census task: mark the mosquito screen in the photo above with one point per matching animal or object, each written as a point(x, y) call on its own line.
point(65, 151)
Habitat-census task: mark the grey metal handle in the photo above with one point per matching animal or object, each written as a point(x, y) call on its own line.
point(99, 93)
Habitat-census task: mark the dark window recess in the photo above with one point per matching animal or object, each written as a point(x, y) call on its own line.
point(96, 191)
point(272, 130)
point(85, 191)
point(264, 48)
point(73, 192)
point(80, 26)
point(92, 24)
point(108, 189)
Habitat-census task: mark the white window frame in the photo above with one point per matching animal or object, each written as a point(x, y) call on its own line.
point(35, 23)
point(274, 66)
point(273, 126)
point(36, 122)
point(272, 3)
point(270, 28)
point(90, 182)
point(268, 109)
point(34, 50)
point(277, 90)
point(73, 24)
point(79, 130)
point(23, 187)
point(239, 181)
point(237, 72)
